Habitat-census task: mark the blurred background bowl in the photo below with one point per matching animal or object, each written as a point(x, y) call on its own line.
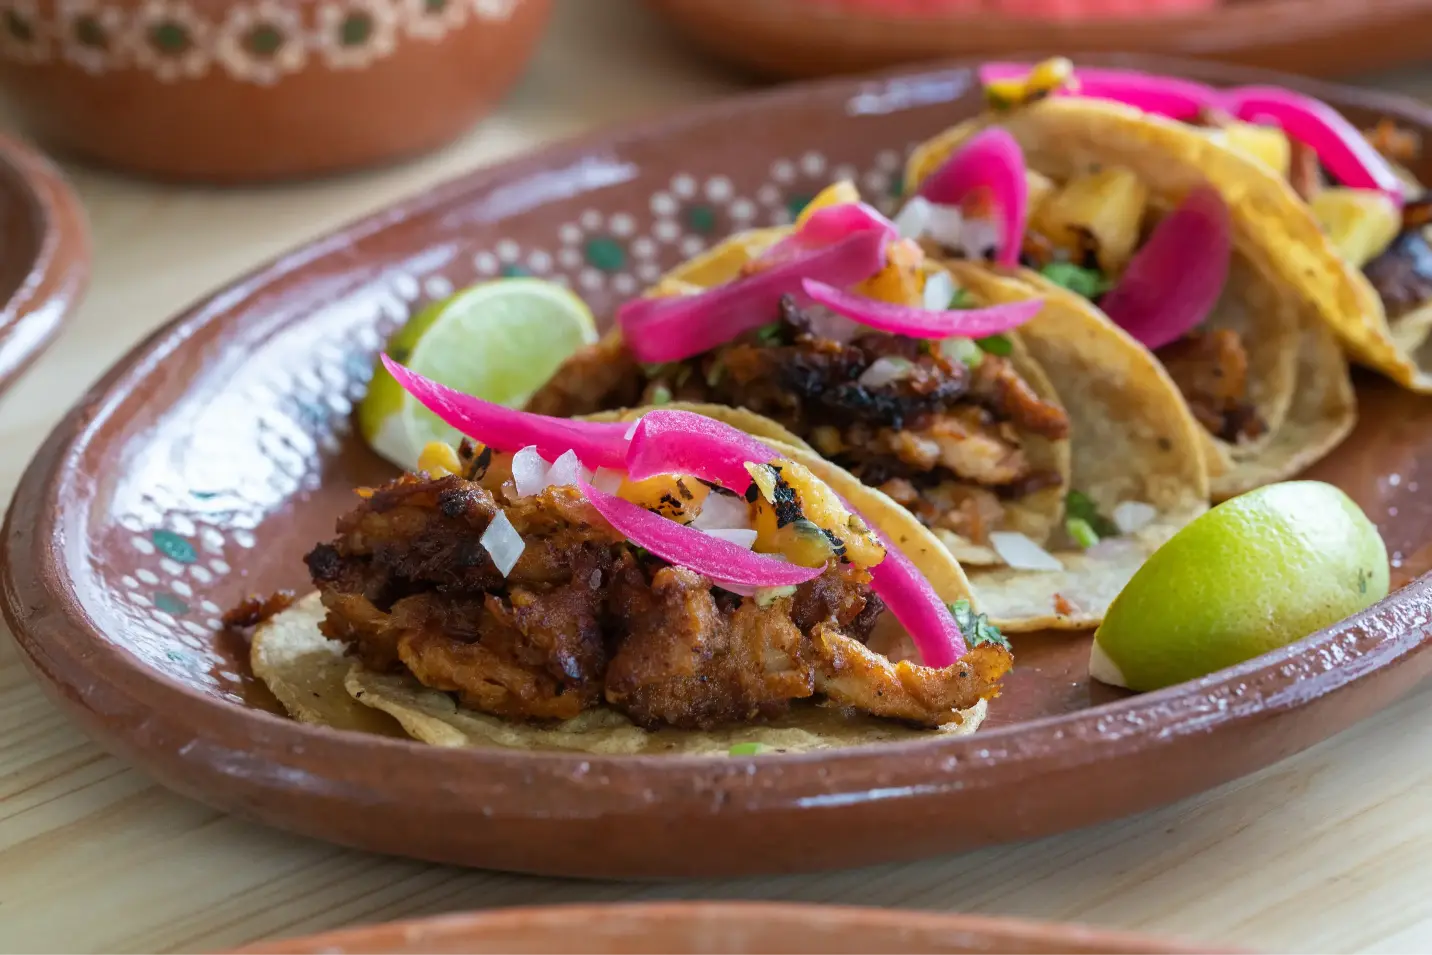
point(803, 38)
point(231, 91)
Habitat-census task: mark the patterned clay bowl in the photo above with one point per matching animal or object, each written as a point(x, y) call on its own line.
point(44, 255)
point(244, 90)
point(806, 38)
point(678, 928)
point(165, 497)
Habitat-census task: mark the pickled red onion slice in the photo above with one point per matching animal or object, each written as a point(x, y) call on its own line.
point(681, 442)
point(597, 445)
point(991, 160)
point(917, 322)
point(721, 560)
point(1173, 282)
point(1342, 150)
point(673, 328)
point(828, 226)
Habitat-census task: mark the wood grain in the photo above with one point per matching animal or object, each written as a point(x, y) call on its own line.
point(1331, 851)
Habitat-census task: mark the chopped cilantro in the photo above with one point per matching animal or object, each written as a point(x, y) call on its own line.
point(769, 334)
point(660, 369)
point(660, 395)
point(976, 627)
point(1082, 533)
point(963, 350)
point(1081, 507)
point(1076, 278)
point(962, 299)
point(748, 749)
point(713, 375)
point(995, 345)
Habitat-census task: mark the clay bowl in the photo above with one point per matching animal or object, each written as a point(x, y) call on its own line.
point(806, 38)
point(115, 576)
point(678, 928)
point(44, 255)
point(230, 91)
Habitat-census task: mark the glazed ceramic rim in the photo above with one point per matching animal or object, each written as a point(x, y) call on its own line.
point(270, 751)
point(59, 275)
point(458, 927)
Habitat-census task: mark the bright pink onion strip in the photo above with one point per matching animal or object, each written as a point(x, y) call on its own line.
point(1161, 95)
point(713, 557)
point(992, 160)
point(677, 327)
point(662, 436)
point(597, 445)
point(827, 226)
point(1174, 281)
point(680, 442)
point(1342, 150)
point(922, 322)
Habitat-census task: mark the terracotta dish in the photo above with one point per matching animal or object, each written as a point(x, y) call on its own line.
point(115, 575)
point(44, 255)
point(804, 38)
point(245, 90)
point(677, 928)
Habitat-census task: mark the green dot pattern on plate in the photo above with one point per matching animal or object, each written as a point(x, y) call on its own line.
point(795, 204)
point(701, 219)
point(170, 604)
point(355, 30)
point(90, 33)
point(512, 271)
point(174, 547)
point(170, 37)
point(264, 40)
point(605, 254)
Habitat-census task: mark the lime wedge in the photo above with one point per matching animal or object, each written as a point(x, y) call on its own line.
point(499, 341)
point(1253, 574)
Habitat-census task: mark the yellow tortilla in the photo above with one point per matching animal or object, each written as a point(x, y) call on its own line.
point(1131, 439)
point(1271, 296)
point(317, 683)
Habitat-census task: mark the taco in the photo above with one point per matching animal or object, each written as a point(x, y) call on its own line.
point(1342, 211)
point(971, 436)
point(692, 591)
point(1242, 338)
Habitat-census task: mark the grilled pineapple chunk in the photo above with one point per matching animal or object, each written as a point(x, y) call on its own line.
point(803, 520)
point(1268, 144)
point(1107, 205)
point(675, 498)
point(1361, 222)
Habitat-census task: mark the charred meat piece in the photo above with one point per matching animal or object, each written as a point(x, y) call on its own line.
point(597, 378)
point(1402, 275)
point(1210, 369)
point(585, 619)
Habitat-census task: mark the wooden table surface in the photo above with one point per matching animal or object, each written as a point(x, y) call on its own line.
point(1330, 851)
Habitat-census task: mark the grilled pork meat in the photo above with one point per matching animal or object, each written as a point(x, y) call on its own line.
point(1210, 369)
point(583, 619)
point(932, 422)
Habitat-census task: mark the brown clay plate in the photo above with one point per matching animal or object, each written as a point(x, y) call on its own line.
point(44, 255)
point(679, 928)
point(204, 465)
point(807, 38)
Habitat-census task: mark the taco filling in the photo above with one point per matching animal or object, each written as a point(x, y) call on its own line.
point(537, 590)
point(940, 425)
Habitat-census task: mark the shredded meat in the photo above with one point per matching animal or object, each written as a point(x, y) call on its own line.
point(1210, 368)
point(584, 619)
point(254, 610)
point(1402, 274)
point(938, 421)
point(1305, 173)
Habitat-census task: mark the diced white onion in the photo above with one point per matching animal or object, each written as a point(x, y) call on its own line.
point(939, 290)
point(946, 226)
point(631, 432)
point(1021, 553)
point(607, 480)
point(565, 471)
point(912, 220)
point(826, 324)
point(723, 511)
point(978, 238)
point(885, 370)
point(504, 545)
point(736, 535)
point(529, 471)
point(1130, 516)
